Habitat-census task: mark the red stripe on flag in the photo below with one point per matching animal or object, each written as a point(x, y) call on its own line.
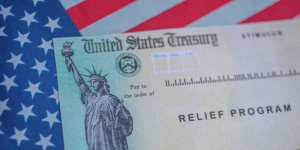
point(180, 15)
point(90, 11)
point(283, 9)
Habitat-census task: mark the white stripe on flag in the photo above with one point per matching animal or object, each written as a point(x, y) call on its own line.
point(233, 12)
point(129, 17)
point(70, 3)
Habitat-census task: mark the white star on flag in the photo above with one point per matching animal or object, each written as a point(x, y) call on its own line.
point(40, 66)
point(36, 1)
point(55, 95)
point(5, 12)
point(0, 130)
point(53, 24)
point(16, 60)
point(3, 106)
point(9, 82)
point(46, 45)
point(45, 141)
point(33, 89)
point(19, 136)
point(26, 112)
point(22, 38)
point(1, 31)
point(51, 118)
point(29, 18)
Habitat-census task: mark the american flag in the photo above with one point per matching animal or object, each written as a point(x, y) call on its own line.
point(29, 104)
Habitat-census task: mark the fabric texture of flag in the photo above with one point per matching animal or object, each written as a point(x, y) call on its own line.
point(29, 104)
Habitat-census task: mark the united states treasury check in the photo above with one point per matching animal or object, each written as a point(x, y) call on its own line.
point(231, 87)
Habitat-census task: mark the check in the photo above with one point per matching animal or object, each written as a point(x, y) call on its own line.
point(231, 87)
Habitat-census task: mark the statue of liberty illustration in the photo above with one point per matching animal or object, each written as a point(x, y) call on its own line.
point(107, 121)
